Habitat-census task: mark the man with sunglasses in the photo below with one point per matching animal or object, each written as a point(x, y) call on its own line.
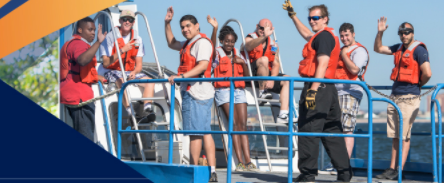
point(264, 62)
point(411, 72)
point(131, 50)
point(319, 109)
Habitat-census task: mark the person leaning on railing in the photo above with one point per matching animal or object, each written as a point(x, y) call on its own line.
point(132, 52)
point(228, 62)
point(78, 73)
point(319, 109)
point(411, 71)
point(197, 97)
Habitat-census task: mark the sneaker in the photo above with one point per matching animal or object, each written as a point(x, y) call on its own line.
point(389, 172)
point(304, 178)
point(394, 176)
point(147, 116)
point(330, 169)
point(265, 95)
point(251, 167)
point(240, 167)
point(213, 177)
point(282, 119)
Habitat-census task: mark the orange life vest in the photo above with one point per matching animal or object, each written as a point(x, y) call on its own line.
point(307, 67)
point(228, 69)
point(87, 74)
point(128, 58)
point(258, 52)
point(342, 71)
point(406, 67)
point(188, 61)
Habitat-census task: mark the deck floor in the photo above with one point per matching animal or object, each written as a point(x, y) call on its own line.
point(359, 176)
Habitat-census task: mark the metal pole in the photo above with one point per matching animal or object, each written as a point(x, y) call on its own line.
point(170, 140)
point(128, 95)
point(105, 117)
point(290, 137)
point(264, 138)
point(230, 129)
point(370, 133)
point(433, 134)
point(152, 42)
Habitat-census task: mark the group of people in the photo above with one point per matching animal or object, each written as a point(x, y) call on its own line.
point(323, 107)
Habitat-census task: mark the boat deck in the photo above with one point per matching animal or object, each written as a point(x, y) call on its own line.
point(360, 175)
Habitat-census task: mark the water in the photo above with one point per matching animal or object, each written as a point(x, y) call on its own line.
point(421, 145)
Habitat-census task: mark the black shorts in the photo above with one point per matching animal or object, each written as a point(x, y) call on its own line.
point(277, 84)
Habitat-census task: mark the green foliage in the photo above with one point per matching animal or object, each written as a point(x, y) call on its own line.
point(35, 77)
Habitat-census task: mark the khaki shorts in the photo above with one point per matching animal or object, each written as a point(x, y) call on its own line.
point(409, 110)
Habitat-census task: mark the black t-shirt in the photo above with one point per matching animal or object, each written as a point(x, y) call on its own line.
point(324, 43)
point(421, 55)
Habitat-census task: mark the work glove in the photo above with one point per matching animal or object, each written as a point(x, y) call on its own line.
point(287, 6)
point(310, 101)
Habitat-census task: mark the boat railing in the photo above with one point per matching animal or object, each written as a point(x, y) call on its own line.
point(230, 131)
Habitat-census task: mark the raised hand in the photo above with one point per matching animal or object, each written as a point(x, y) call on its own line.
point(169, 15)
point(268, 30)
point(100, 36)
point(287, 6)
point(382, 24)
point(213, 21)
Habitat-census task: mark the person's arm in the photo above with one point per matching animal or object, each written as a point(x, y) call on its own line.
point(137, 69)
point(88, 55)
point(108, 60)
point(215, 25)
point(426, 73)
point(253, 43)
point(378, 47)
point(196, 70)
point(171, 40)
point(243, 62)
point(303, 30)
point(320, 70)
point(349, 64)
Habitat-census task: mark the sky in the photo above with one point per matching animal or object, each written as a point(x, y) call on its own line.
point(362, 14)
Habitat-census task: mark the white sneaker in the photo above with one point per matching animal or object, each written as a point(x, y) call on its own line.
point(265, 95)
point(329, 169)
point(282, 119)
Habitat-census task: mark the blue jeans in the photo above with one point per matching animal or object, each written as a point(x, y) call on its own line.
point(196, 114)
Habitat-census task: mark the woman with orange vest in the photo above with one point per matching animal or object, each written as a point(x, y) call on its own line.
point(411, 72)
point(78, 72)
point(132, 50)
point(228, 62)
point(319, 109)
point(197, 97)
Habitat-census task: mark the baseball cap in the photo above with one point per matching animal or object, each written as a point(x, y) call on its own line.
point(127, 13)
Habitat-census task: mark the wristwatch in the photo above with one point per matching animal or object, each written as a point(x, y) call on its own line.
point(182, 75)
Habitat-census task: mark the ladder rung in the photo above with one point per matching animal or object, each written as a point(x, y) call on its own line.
point(155, 124)
point(149, 150)
point(280, 148)
point(267, 100)
point(150, 98)
point(276, 124)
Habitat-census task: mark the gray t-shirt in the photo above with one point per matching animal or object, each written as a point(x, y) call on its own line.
point(360, 57)
point(202, 51)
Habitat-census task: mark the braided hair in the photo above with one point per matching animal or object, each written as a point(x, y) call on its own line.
point(226, 30)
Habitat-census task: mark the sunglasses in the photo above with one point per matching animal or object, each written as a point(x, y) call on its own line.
point(261, 28)
point(407, 32)
point(124, 19)
point(315, 18)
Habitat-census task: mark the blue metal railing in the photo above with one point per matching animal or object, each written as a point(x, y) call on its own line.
point(437, 173)
point(230, 131)
point(106, 124)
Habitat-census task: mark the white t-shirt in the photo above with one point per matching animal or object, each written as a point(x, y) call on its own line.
point(202, 51)
point(107, 46)
point(360, 57)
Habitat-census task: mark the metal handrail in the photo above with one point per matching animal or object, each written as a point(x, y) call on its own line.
point(230, 131)
point(436, 174)
point(105, 114)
